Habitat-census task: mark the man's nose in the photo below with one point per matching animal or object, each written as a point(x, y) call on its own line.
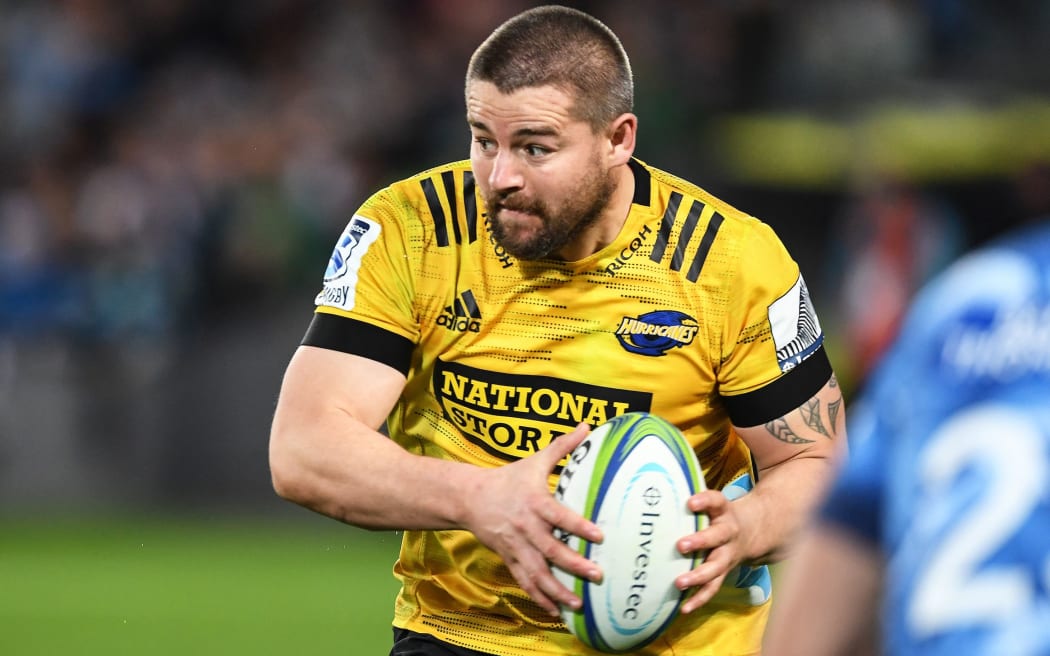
point(506, 172)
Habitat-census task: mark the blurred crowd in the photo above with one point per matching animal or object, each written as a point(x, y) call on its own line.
point(161, 158)
point(168, 161)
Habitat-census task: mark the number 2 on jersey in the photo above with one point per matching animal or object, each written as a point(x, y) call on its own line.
point(958, 587)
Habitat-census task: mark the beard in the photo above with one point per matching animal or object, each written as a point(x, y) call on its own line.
point(559, 224)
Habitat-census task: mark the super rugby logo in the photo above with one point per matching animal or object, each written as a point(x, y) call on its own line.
point(355, 233)
point(656, 333)
point(340, 278)
point(513, 416)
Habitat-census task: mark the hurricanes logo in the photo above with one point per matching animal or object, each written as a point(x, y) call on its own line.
point(462, 315)
point(656, 333)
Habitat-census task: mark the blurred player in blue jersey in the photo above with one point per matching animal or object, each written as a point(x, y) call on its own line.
point(935, 538)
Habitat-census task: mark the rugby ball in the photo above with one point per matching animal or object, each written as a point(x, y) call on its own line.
point(631, 476)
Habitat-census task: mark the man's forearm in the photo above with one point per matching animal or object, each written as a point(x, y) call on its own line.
point(361, 477)
point(779, 505)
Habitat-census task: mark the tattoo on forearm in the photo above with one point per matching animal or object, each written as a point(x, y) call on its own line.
point(779, 429)
point(811, 413)
point(833, 382)
point(833, 413)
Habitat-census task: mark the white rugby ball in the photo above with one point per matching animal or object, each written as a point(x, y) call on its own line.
point(631, 477)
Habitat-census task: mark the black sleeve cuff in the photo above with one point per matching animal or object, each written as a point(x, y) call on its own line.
point(782, 395)
point(339, 333)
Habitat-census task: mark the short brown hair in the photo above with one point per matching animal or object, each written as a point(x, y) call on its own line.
point(561, 47)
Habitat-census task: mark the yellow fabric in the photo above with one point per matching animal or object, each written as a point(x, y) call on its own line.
point(540, 352)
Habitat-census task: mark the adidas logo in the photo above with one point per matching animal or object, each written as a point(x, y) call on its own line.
point(463, 315)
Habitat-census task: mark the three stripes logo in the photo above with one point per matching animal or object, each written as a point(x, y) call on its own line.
point(456, 193)
point(693, 219)
point(462, 315)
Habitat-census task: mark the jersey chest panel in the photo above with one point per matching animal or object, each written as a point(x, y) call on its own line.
point(513, 356)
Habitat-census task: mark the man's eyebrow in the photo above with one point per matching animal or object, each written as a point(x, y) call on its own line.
point(540, 131)
point(544, 131)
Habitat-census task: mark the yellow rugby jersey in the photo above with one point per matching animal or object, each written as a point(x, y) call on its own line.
point(695, 313)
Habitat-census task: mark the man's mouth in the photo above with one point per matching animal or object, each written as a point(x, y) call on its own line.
point(515, 208)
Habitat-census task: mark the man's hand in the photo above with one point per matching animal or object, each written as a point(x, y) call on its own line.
point(515, 514)
point(720, 541)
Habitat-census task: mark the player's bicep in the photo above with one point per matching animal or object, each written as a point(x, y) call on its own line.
point(815, 428)
point(321, 381)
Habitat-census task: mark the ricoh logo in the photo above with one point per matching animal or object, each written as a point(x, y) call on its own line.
point(628, 251)
point(655, 333)
point(498, 250)
point(462, 315)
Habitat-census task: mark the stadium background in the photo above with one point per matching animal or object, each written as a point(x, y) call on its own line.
point(173, 174)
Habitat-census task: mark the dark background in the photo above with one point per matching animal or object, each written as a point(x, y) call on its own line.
point(174, 174)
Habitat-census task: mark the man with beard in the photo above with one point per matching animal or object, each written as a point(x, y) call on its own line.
point(490, 311)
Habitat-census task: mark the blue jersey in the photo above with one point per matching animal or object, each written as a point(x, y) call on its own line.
point(950, 471)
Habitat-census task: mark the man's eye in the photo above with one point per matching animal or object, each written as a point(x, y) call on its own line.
point(536, 151)
point(483, 143)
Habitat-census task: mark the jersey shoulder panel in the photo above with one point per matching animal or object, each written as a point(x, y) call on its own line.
point(388, 251)
point(444, 199)
point(752, 288)
point(698, 232)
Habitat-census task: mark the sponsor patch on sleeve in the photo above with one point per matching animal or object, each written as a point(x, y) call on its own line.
point(793, 322)
point(340, 279)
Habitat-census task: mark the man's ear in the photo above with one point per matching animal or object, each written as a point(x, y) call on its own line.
point(622, 133)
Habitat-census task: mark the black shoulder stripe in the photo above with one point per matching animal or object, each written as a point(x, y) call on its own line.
point(685, 236)
point(470, 206)
point(448, 179)
point(436, 211)
point(338, 333)
point(642, 183)
point(713, 225)
point(665, 227)
point(441, 220)
point(781, 396)
point(688, 226)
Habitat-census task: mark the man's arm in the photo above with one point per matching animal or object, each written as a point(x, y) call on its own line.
point(828, 603)
point(327, 455)
point(794, 455)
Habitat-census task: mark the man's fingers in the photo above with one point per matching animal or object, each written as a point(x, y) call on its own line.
point(701, 596)
point(564, 519)
point(537, 579)
point(564, 444)
point(712, 537)
point(560, 555)
point(712, 502)
point(530, 582)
